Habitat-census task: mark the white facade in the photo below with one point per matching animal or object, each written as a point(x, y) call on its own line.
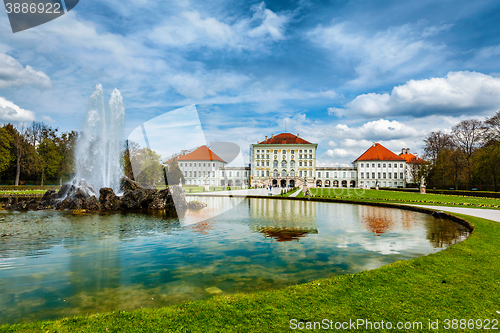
point(201, 172)
point(336, 177)
point(383, 173)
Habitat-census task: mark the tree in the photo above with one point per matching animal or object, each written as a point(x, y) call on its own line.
point(147, 163)
point(435, 143)
point(174, 173)
point(488, 161)
point(66, 145)
point(6, 155)
point(492, 127)
point(50, 158)
point(468, 137)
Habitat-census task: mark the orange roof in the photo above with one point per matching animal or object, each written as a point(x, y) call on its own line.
point(377, 152)
point(410, 158)
point(203, 153)
point(284, 138)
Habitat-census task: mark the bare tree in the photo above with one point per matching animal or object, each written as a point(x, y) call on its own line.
point(467, 136)
point(435, 143)
point(492, 127)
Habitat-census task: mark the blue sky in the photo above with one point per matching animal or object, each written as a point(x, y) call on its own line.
point(341, 73)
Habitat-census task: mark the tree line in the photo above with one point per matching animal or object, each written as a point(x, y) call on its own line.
point(36, 153)
point(467, 157)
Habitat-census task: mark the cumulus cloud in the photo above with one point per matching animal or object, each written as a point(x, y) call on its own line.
point(192, 28)
point(457, 94)
point(397, 51)
point(11, 112)
point(381, 129)
point(13, 74)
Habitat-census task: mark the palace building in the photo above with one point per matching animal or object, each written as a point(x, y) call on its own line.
point(287, 160)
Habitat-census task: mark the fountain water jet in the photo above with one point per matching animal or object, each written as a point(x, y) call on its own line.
point(100, 146)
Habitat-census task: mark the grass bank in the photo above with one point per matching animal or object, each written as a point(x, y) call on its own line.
point(368, 195)
point(461, 282)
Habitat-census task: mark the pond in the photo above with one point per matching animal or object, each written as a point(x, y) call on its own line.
point(55, 264)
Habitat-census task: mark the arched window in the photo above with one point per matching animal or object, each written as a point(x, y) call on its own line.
point(292, 164)
point(275, 164)
point(283, 173)
point(283, 164)
point(292, 173)
point(275, 173)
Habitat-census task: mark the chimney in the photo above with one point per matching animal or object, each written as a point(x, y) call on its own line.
point(266, 137)
point(402, 151)
point(298, 135)
point(407, 150)
point(272, 135)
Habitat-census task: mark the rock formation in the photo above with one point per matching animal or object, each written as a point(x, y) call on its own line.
point(135, 197)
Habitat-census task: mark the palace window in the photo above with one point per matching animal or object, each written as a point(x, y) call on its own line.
point(300, 173)
point(378, 175)
point(327, 175)
point(300, 151)
point(401, 165)
point(367, 175)
point(362, 165)
point(276, 151)
point(267, 156)
point(275, 173)
point(222, 173)
point(283, 164)
point(283, 173)
point(389, 165)
point(319, 174)
point(335, 174)
point(275, 164)
point(238, 174)
point(343, 175)
point(310, 151)
point(204, 173)
point(310, 163)
point(262, 173)
point(362, 175)
point(267, 173)
point(190, 164)
point(292, 164)
point(401, 176)
point(383, 175)
point(293, 151)
point(258, 150)
point(213, 173)
point(300, 163)
point(292, 173)
point(352, 174)
point(378, 165)
point(373, 165)
point(373, 175)
point(258, 164)
point(190, 173)
point(383, 166)
point(395, 175)
point(195, 174)
point(389, 174)
point(230, 174)
point(310, 156)
point(300, 156)
point(267, 163)
point(214, 165)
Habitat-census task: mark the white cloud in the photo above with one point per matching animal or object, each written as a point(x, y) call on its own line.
point(13, 74)
point(11, 112)
point(457, 94)
point(377, 130)
point(193, 28)
point(48, 119)
point(385, 55)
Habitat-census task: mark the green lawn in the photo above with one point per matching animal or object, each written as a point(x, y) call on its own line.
point(403, 197)
point(461, 282)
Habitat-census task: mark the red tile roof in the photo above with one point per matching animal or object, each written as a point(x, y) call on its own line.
point(410, 158)
point(203, 153)
point(284, 138)
point(377, 152)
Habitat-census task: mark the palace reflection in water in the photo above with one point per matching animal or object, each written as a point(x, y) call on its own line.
point(55, 264)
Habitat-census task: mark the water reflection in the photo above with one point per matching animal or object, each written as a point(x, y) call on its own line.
point(55, 264)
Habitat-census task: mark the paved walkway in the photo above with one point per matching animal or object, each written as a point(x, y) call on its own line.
point(293, 195)
point(261, 192)
point(490, 214)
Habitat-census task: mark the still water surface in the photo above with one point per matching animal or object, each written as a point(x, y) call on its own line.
point(55, 264)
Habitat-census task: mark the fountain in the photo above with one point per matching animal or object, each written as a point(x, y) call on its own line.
point(99, 182)
point(99, 147)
